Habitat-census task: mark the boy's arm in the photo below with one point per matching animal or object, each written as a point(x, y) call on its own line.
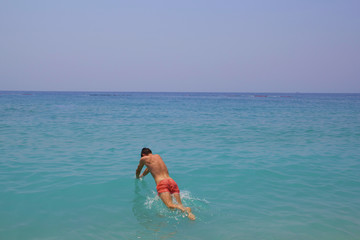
point(141, 165)
point(146, 171)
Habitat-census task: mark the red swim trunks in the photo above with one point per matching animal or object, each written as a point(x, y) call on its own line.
point(167, 185)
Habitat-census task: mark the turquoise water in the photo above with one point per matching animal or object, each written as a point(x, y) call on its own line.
point(251, 166)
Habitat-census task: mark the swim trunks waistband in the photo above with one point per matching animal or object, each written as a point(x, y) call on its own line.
point(167, 185)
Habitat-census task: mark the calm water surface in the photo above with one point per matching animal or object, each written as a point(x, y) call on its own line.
point(251, 166)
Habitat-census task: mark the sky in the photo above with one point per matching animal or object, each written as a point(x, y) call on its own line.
point(180, 46)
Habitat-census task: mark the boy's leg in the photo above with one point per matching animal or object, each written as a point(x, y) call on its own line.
point(177, 197)
point(166, 198)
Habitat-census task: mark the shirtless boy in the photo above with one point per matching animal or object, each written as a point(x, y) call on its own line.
point(165, 185)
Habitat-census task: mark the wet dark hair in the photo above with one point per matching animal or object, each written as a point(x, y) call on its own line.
point(145, 151)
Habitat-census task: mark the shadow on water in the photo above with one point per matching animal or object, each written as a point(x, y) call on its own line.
point(149, 213)
point(158, 221)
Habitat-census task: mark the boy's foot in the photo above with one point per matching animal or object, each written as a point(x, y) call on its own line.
point(190, 215)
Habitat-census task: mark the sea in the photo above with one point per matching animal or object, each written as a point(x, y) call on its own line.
point(250, 165)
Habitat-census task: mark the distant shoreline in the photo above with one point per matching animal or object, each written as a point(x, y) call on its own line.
point(171, 92)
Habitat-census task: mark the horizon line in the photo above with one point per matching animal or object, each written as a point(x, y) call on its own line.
point(103, 91)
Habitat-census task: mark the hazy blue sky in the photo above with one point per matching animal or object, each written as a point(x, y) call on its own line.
point(221, 46)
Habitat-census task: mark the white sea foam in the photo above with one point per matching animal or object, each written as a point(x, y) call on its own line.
point(150, 200)
point(186, 195)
